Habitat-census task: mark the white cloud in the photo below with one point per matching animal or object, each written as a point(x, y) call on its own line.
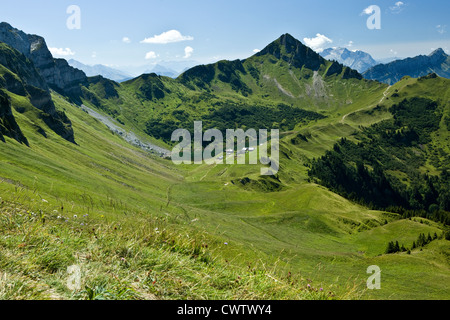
point(318, 43)
point(61, 52)
point(441, 29)
point(398, 7)
point(167, 37)
point(350, 44)
point(94, 55)
point(256, 50)
point(151, 55)
point(188, 51)
point(367, 10)
point(126, 40)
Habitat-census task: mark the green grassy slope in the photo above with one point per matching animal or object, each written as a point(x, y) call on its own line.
point(103, 205)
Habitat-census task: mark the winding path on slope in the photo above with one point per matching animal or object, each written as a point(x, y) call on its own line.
point(371, 106)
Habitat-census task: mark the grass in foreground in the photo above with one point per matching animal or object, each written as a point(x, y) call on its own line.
point(133, 258)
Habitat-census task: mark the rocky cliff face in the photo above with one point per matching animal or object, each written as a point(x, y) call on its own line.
point(8, 124)
point(19, 75)
point(19, 65)
point(437, 62)
point(57, 73)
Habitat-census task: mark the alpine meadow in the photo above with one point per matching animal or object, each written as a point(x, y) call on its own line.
point(93, 205)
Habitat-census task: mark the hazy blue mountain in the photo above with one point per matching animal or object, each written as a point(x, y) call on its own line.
point(388, 60)
point(163, 68)
point(101, 70)
point(179, 66)
point(437, 62)
point(163, 71)
point(358, 60)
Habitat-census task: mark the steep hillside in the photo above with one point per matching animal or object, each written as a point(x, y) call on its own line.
point(401, 163)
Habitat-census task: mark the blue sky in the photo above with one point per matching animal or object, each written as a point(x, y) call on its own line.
point(113, 32)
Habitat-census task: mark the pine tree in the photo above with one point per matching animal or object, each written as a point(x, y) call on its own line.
point(396, 247)
point(421, 240)
point(390, 248)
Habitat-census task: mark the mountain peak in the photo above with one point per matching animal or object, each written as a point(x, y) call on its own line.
point(438, 52)
point(291, 50)
point(5, 25)
point(288, 38)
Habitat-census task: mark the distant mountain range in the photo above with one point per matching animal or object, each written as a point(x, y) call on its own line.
point(437, 62)
point(163, 71)
point(358, 60)
point(171, 69)
point(102, 70)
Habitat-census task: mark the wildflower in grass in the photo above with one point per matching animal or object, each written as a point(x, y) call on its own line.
point(75, 216)
point(226, 243)
point(45, 201)
point(59, 217)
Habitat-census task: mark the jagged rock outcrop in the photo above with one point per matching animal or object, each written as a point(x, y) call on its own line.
point(57, 73)
point(18, 75)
